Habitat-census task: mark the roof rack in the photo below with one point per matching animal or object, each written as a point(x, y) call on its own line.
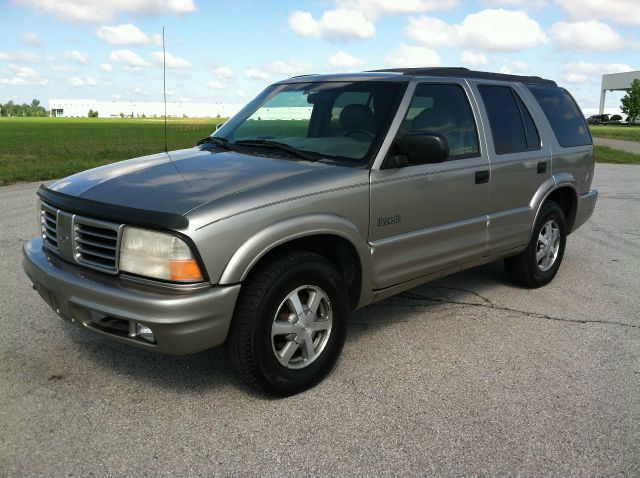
point(461, 72)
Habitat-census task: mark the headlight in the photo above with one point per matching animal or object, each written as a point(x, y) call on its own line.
point(158, 255)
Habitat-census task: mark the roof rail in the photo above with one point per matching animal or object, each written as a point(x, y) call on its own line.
point(461, 72)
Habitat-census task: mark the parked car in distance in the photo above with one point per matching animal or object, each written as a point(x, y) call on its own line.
point(326, 193)
point(598, 119)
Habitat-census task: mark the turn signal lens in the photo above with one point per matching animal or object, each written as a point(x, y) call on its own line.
point(184, 270)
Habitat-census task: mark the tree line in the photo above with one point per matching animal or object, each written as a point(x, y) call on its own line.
point(13, 109)
point(630, 105)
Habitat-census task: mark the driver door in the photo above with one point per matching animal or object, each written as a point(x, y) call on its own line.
point(428, 217)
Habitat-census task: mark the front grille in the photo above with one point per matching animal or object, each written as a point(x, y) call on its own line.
point(83, 240)
point(96, 243)
point(49, 226)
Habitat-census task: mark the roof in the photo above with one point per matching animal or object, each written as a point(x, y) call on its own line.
point(364, 76)
point(459, 72)
point(405, 74)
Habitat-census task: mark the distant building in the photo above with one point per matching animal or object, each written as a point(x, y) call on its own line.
point(616, 81)
point(106, 109)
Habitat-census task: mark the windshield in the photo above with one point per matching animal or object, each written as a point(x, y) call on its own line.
point(341, 121)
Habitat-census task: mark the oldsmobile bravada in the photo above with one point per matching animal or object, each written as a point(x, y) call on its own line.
point(324, 194)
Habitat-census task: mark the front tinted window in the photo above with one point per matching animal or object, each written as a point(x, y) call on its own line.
point(345, 121)
point(443, 109)
point(285, 114)
point(563, 114)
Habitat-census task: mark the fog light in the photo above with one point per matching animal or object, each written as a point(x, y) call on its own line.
point(145, 333)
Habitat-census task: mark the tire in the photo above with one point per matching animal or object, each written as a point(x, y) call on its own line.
point(284, 364)
point(527, 269)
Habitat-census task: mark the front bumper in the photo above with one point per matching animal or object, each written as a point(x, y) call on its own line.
point(585, 207)
point(182, 322)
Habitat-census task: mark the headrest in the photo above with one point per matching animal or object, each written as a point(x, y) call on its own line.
point(354, 117)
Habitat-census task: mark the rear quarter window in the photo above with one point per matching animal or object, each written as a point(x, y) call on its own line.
point(561, 110)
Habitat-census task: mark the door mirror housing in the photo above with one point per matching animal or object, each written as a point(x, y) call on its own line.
point(219, 125)
point(422, 147)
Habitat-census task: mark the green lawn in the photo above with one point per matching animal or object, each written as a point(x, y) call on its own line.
point(630, 133)
point(609, 155)
point(33, 149)
point(36, 149)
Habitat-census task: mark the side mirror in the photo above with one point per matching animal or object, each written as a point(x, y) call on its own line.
point(423, 147)
point(219, 125)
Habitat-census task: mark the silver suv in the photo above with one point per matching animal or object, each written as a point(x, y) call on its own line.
point(323, 195)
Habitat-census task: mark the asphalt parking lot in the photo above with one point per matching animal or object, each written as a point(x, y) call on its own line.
point(464, 376)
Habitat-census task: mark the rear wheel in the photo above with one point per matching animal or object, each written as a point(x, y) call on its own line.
point(289, 325)
point(538, 264)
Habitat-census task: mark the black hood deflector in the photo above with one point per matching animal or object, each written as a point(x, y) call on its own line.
point(113, 212)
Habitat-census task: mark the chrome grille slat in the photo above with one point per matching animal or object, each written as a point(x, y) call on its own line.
point(102, 255)
point(96, 243)
point(94, 264)
point(89, 242)
point(49, 226)
point(50, 235)
point(97, 234)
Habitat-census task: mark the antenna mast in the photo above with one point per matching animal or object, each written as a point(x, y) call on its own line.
point(164, 89)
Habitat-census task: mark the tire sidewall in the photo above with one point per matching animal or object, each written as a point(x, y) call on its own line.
point(279, 379)
point(551, 211)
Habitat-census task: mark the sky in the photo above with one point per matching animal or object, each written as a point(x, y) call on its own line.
point(221, 51)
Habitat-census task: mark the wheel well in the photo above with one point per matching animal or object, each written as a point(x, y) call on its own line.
point(337, 250)
point(566, 198)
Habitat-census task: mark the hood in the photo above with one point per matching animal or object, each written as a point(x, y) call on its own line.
point(179, 181)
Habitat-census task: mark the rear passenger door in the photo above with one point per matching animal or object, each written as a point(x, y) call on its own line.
point(520, 163)
point(430, 217)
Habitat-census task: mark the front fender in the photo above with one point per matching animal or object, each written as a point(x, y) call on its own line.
point(281, 232)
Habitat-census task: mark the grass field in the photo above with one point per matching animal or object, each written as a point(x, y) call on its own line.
point(630, 133)
point(33, 149)
point(609, 155)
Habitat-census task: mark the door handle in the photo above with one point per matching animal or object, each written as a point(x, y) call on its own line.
point(482, 177)
point(542, 167)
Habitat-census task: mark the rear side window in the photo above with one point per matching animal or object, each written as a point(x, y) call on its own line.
point(563, 114)
point(512, 127)
point(530, 131)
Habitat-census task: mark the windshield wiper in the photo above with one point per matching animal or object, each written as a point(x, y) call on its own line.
point(223, 143)
point(281, 146)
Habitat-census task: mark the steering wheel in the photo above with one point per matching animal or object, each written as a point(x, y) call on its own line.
point(360, 131)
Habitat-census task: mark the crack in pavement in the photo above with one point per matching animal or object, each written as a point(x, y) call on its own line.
point(491, 305)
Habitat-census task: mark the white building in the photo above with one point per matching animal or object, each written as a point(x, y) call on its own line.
point(112, 109)
point(616, 82)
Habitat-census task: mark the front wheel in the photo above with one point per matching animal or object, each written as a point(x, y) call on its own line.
point(538, 264)
point(290, 324)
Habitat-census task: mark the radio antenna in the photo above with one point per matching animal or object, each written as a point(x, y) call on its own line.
point(164, 90)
